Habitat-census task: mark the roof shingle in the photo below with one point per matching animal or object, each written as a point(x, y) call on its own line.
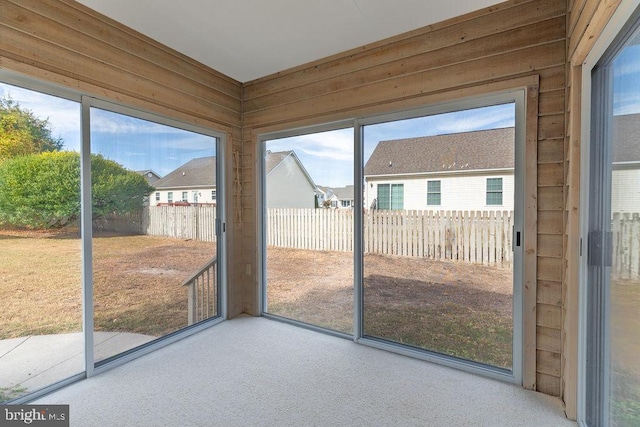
point(200, 172)
point(478, 150)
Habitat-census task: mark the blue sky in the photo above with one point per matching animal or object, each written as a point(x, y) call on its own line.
point(134, 143)
point(328, 156)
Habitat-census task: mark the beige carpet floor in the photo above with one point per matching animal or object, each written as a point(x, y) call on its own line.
point(259, 372)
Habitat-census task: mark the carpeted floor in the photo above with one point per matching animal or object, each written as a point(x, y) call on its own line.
point(259, 372)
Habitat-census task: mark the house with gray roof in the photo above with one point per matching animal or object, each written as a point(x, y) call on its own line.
point(288, 184)
point(342, 197)
point(460, 171)
point(150, 175)
point(192, 183)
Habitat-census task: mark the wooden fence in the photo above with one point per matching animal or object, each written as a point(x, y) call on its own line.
point(474, 237)
point(626, 245)
point(182, 222)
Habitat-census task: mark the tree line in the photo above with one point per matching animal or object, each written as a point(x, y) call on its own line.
point(40, 182)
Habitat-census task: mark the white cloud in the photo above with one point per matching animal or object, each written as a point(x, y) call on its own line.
point(628, 62)
point(63, 115)
point(327, 156)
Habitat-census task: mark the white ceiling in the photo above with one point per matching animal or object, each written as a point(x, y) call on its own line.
point(248, 39)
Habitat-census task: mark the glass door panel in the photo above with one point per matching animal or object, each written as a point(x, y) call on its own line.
point(154, 203)
point(624, 276)
point(41, 339)
point(439, 213)
point(309, 199)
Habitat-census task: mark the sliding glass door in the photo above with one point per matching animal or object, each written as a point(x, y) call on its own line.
point(111, 234)
point(309, 227)
point(41, 340)
point(414, 232)
point(439, 213)
point(613, 387)
point(154, 235)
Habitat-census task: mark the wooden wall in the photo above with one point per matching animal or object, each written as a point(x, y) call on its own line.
point(65, 43)
point(585, 21)
point(62, 42)
point(471, 54)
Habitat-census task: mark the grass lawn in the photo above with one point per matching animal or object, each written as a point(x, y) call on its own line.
point(137, 283)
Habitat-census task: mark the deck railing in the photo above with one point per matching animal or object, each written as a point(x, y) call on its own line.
point(203, 292)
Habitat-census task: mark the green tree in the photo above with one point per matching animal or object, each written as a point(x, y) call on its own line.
point(43, 190)
point(21, 132)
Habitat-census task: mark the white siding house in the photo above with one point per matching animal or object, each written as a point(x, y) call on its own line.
point(288, 185)
point(342, 197)
point(463, 172)
point(625, 185)
point(192, 183)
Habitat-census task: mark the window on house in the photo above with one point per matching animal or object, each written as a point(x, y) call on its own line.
point(346, 203)
point(213, 194)
point(494, 191)
point(170, 197)
point(434, 195)
point(157, 197)
point(185, 196)
point(391, 196)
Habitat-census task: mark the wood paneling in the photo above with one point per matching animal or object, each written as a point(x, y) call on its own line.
point(440, 63)
point(549, 339)
point(488, 50)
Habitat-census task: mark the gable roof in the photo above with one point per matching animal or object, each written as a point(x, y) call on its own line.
point(274, 159)
point(200, 172)
point(626, 134)
point(150, 175)
point(344, 193)
point(477, 150)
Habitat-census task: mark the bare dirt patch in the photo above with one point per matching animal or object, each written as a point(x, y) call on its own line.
point(455, 308)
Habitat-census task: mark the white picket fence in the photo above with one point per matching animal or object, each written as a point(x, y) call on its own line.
point(474, 237)
point(626, 245)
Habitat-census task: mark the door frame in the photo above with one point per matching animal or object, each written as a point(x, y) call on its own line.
point(523, 91)
point(519, 97)
point(626, 12)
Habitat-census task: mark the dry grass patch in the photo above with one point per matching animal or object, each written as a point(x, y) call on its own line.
point(137, 283)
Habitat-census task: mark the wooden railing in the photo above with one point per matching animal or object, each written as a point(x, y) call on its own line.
point(203, 292)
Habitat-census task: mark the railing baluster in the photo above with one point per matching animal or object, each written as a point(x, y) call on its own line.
point(201, 293)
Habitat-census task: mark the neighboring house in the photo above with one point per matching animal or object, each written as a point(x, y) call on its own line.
point(192, 183)
point(342, 197)
point(150, 175)
point(323, 194)
point(288, 183)
point(462, 171)
point(625, 195)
